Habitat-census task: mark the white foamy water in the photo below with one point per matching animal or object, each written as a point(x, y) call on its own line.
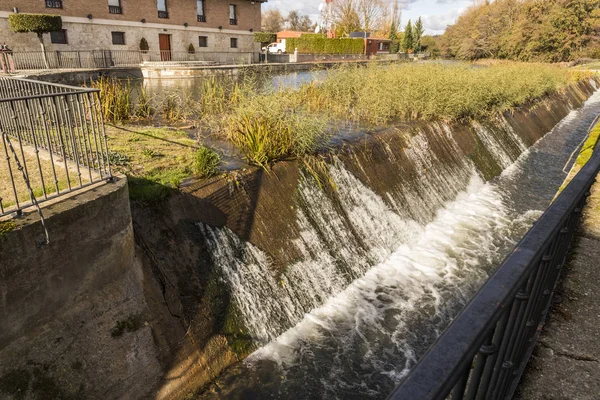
point(380, 278)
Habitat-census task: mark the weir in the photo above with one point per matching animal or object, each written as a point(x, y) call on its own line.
point(388, 244)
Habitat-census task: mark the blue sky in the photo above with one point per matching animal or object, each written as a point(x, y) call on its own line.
point(436, 14)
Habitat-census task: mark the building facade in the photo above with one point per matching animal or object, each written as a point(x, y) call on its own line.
point(167, 25)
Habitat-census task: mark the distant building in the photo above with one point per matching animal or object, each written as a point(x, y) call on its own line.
point(289, 35)
point(168, 25)
point(373, 45)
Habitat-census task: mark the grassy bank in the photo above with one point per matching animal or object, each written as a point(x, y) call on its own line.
point(157, 160)
point(268, 125)
point(585, 153)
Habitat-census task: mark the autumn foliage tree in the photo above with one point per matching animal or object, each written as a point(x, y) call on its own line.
point(526, 30)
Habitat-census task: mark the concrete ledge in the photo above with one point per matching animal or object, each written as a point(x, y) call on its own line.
point(72, 312)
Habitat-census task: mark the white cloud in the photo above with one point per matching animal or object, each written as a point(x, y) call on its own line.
point(436, 14)
point(436, 24)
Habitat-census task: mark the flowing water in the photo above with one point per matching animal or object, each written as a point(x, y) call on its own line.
point(350, 317)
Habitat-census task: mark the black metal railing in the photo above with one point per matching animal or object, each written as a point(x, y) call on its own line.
point(52, 142)
point(115, 9)
point(232, 21)
point(484, 351)
point(201, 18)
point(163, 14)
point(34, 60)
point(54, 4)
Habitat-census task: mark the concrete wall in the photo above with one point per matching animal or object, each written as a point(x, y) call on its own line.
point(73, 319)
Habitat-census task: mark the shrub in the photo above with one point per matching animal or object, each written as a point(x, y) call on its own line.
point(191, 49)
point(270, 127)
point(206, 162)
point(265, 38)
point(144, 45)
point(36, 23)
point(319, 44)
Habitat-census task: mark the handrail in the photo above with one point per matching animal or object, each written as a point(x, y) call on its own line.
point(483, 353)
point(52, 142)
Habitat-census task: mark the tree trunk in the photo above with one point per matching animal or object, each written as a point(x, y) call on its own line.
point(44, 56)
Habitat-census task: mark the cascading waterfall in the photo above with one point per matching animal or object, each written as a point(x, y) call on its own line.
point(338, 249)
point(379, 277)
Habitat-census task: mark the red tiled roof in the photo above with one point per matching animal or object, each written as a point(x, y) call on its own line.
point(289, 34)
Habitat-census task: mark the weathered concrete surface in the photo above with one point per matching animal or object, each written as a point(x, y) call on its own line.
point(566, 361)
point(74, 322)
point(261, 208)
point(80, 76)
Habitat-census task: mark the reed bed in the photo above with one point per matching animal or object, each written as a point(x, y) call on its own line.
point(408, 92)
point(268, 125)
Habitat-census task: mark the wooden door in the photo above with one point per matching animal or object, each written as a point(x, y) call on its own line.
point(164, 44)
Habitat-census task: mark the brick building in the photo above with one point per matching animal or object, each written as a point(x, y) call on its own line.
point(209, 25)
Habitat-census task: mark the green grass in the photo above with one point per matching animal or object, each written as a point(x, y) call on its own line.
point(584, 156)
point(206, 162)
point(6, 226)
point(588, 147)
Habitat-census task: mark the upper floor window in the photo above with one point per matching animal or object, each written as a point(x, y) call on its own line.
point(59, 37)
point(201, 15)
point(114, 7)
point(232, 14)
point(118, 38)
point(54, 4)
point(162, 9)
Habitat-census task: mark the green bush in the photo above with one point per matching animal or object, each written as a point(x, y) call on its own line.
point(271, 127)
point(37, 23)
point(319, 44)
point(144, 45)
point(265, 37)
point(206, 162)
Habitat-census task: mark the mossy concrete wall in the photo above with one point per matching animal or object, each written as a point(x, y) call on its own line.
point(74, 323)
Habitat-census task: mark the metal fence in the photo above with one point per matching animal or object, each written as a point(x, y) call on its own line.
point(34, 60)
point(53, 142)
point(483, 353)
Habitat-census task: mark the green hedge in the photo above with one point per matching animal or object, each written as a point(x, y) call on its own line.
point(319, 44)
point(38, 23)
point(265, 37)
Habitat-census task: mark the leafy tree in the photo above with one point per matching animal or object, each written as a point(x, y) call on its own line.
point(429, 44)
point(38, 24)
point(272, 21)
point(527, 30)
point(265, 38)
point(346, 17)
point(408, 40)
point(418, 34)
point(299, 22)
